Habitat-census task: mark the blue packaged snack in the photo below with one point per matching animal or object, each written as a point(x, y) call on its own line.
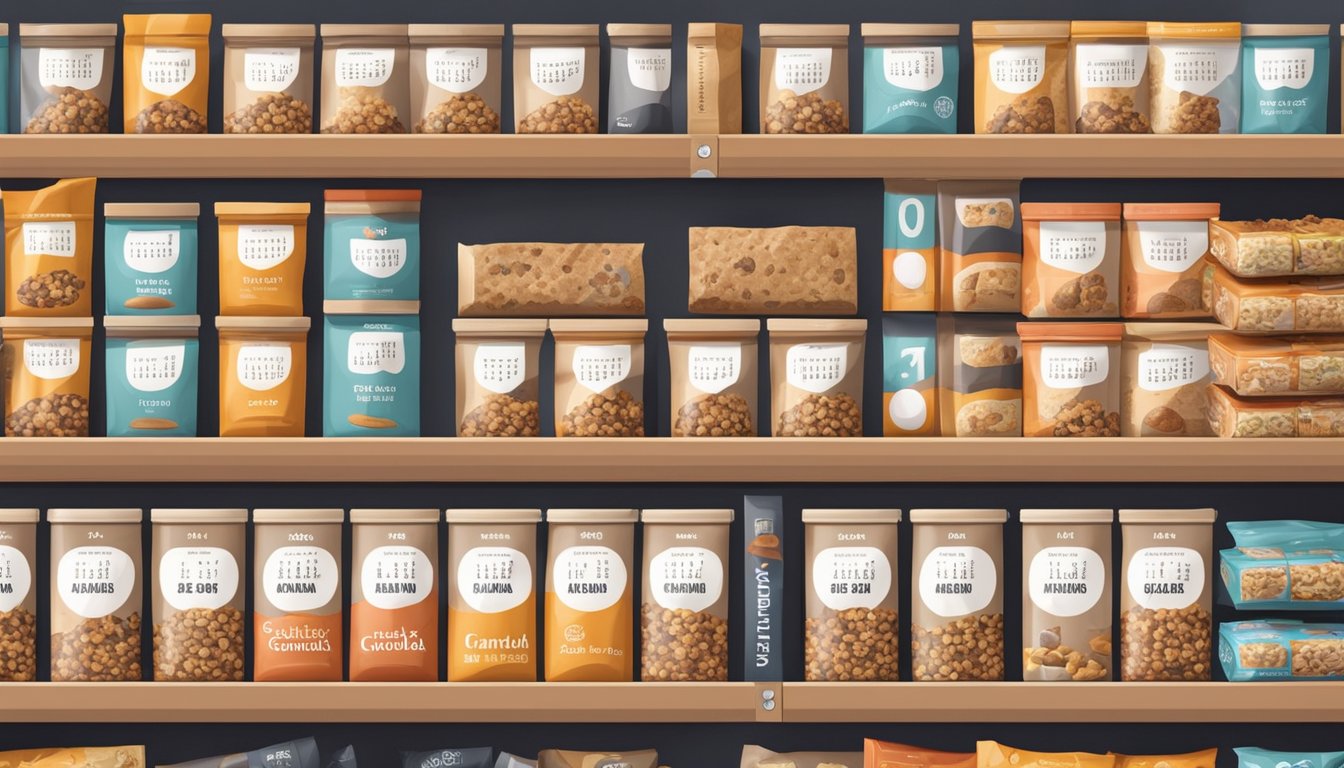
point(150, 258)
point(1255, 757)
point(1295, 565)
point(910, 74)
point(910, 375)
point(1285, 72)
point(1281, 650)
point(371, 246)
point(152, 376)
point(910, 246)
point(372, 382)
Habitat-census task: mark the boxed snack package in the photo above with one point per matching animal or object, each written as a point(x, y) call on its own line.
point(958, 594)
point(45, 366)
point(150, 258)
point(588, 595)
point(1254, 757)
point(298, 608)
point(268, 83)
point(18, 595)
point(599, 377)
point(639, 94)
point(365, 87)
point(1021, 76)
point(979, 376)
point(97, 587)
point(713, 78)
point(1066, 594)
point(371, 244)
point(65, 77)
point(1206, 758)
point(492, 601)
point(1071, 379)
point(1285, 77)
point(49, 250)
point(781, 270)
point(152, 376)
point(263, 376)
point(1296, 304)
point(166, 72)
point(550, 279)
point(885, 754)
point(263, 251)
point(1070, 259)
point(992, 754)
point(200, 560)
point(816, 377)
point(851, 632)
point(1162, 247)
point(754, 756)
point(1166, 608)
point(713, 372)
point(371, 385)
point(1233, 416)
point(1193, 71)
point(1295, 565)
point(910, 246)
point(1278, 649)
point(1164, 379)
point(684, 610)
point(762, 585)
point(804, 78)
point(457, 78)
point(498, 377)
point(1258, 365)
point(1310, 245)
point(394, 600)
point(556, 78)
point(980, 246)
point(910, 74)
point(910, 375)
point(1109, 77)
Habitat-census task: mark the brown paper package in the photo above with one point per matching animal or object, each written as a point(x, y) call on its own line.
point(599, 377)
point(550, 279)
point(816, 377)
point(96, 595)
point(365, 83)
point(804, 78)
point(394, 602)
point(714, 78)
point(166, 72)
point(268, 78)
point(18, 608)
point(782, 270)
point(556, 78)
point(1066, 594)
point(456, 78)
point(498, 377)
point(684, 610)
point(714, 368)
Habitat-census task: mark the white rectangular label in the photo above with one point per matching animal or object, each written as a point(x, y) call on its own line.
point(1064, 366)
point(1073, 246)
point(1103, 65)
point(1199, 68)
point(914, 69)
point(817, 368)
point(500, 367)
point(372, 352)
point(1017, 68)
point(802, 70)
point(264, 365)
point(367, 67)
point(650, 69)
point(270, 70)
point(49, 238)
point(558, 71)
point(154, 369)
point(50, 359)
point(166, 71)
point(79, 68)
point(1168, 366)
point(151, 251)
point(1284, 67)
point(714, 367)
point(265, 246)
point(457, 70)
point(601, 367)
point(1173, 246)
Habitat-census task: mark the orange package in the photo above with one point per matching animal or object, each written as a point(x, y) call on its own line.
point(49, 250)
point(166, 72)
point(1071, 259)
point(992, 754)
point(263, 376)
point(263, 250)
point(1163, 246)
point(394, 601)
point(44, 368)
point(589, 602)
point(492, 601)
point(297, 597)
point(1202, 759)
point(885, 754)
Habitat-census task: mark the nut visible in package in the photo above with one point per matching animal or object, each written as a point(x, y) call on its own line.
point(910, 74)
point(498, 377)
point(263, 376)
point(566, 758)
point(957, 627)
point(457, 76)
point(394, 605)
point(1295, 565)
point(780, 270)
point(492, 601)
point(639, 95)
point(152, 375)
point(1071, 259)
point(885, 754)
point(980, 377)
point(96, 594)
point(1166, 609)
point(1194, 76)
point(1257, 365)
point(1285, 76)
point(1071, 382)
point(1163, 246)
point(599, 377)
point(199, 562)
point(762, 584)
point(851, 630)
point(150, 258)
point(18, 598)
point(1164, 380)
point(1233, 416)
point(1310, 245)
point(365, 88)
point(910, 246)
point(713, 365)
point(1109, 75)
point(550, 279)
point(65, 83)
point(589, 604)
point(684, 611)
point(268, 84)
point(49, 250)
point(1021, 76)
point(552, 90)
point(88, 757)
point(298, 607)
point(166, 72)
point(45, 365)
point(910, 375)
point(804, 78)
point(1066, 594)
point(371, 245)
point(1203, 759)
point(980, 246)
point(754, 756)
point(713, 78)
point(263, 251)
point(1278, 649)
point(992, 754)
point(1254, 757)
point(371, 386)
point(816, 377)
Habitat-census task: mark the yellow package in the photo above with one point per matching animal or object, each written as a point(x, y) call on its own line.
point(86, 757)
point(166, 72)
point(263, 376)
point(263, 250)
point(44, 364)
point(1202, 759)
point(589, 600)
point(992, 754)
point(49, 250)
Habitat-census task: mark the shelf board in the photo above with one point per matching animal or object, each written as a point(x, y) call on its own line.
point(668, 460)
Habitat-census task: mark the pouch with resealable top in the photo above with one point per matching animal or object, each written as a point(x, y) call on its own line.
point(263, 251)
point(979, 376)
point(150, 258)
point(66, 77)
point(166, 72)
point(97, 591)
point(45, 367)
point(1164, 380)
point(556, 78)
point(18, 594)
point(153, 375)
point(49, 250)
point(456, 78)
point(1070, 379)
point(1021, 76)
point(1109, 77)
point(1194, 76)
point(498, 377)
point(298, 608)
point(200, 562)
point(371, 245)
point(589, 600)
point(804, 78)
point(1285, 77)
point(980, 246)
point(268, 83)
point(713, 377)
point(1162, 250)
point(1071, 259)
point(599, 377)
point(816, 377)
point(365, 88)
point(372, 377)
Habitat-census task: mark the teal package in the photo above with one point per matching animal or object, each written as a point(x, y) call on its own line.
point(1284, 84)
point(150, 265)
point(1295, 565)
point(372, 255)
point(910, 88)
point(372, 382)
point(1278, 649)
point(152, 387)
point(1254, 757)
point(4, 83)
point(910, 375)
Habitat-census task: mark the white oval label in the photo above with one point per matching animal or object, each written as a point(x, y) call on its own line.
point(851, 577)
point(1066, 581)
point(589, 578)
point(396, 577)
point(16, 578)
point(1166, 577)
point(1017, 69)
point(166, 71)
point(299, 579)
point(500, 367)
point(816, 368)
point(378, 258)
point(910, 269)
point(689, 578)
point(263, 366)
point(494, 579)
point(198, 577)
point(154, 368)
point(957, 581)
point(94, 582)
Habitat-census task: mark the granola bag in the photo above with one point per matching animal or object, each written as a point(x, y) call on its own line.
point(910, 375)
point(1021, 76)
point(599, 377)
point(684, 610)
point(371, 244)
point(49, 250)
point(1109, 77)
point(1287, 565)
point(1162, 250)
point(1257, 365)
point(1164, 380)
point(713, 78)
point(1193, 75)
point(816, 377)
point(268, 83)
point(1310, 245)
point(65, 83)
point(457, 75)
point(371, 383)
point(298, 606)
point(1071, 259)
point(1233, 416)
point(980, 246)
point(992, 754)
point(640, 88)
point(1285, 77)
point(365, 87)
point(45, 365)
point(97, 587)
point(1203, 759)
point(759, 757)
point(150, 258)
point(773, 270)
point(910, 246)
point(166, 72)
point(263, 251)
point(1071, 386)
point(556, 78)
point(713, 365)
point(18, 595)
point(498, 377)
point(263, 376)
point(1066, 594)
point(885, 754)
point(910, 74)
point(1305, 305)
point(804, 78)
point(589, 594)
point(200, 586)
point(394, 600)
point(152, 375)
point(550, 279)
point(1279, 649)
point(979, 377)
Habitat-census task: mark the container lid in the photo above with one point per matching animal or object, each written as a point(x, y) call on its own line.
point(130, 325)
point(65, 30)
point(363, 30)
point(520, 327)
point(241, 323)
point(909, 30)
point(44, 324)
point(1067, 516)
point(1171, 211)
point(198, 515)
point(555, 30)
point(371, 306)
point(815, 325)
point(592, 515)
point(262, 209)
point(372, 195)
point(640, 30)
point(1099, 29)
point(1171, 331)
point(298, 515)
point(688, 516)
point(708, 326)
point(1071, 211)
point(892, 516)
point(1070, 331)
point(151, 210)
point(394, 515)
point(121, 515)
point(492, 515)
point(454, 30)
point(268, 30)
point(1230, 30)
point(19, 515)
point(600, 326)
point(1036, 30)
point(1204, 516)
point(959, 516)
point(1284, 30)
